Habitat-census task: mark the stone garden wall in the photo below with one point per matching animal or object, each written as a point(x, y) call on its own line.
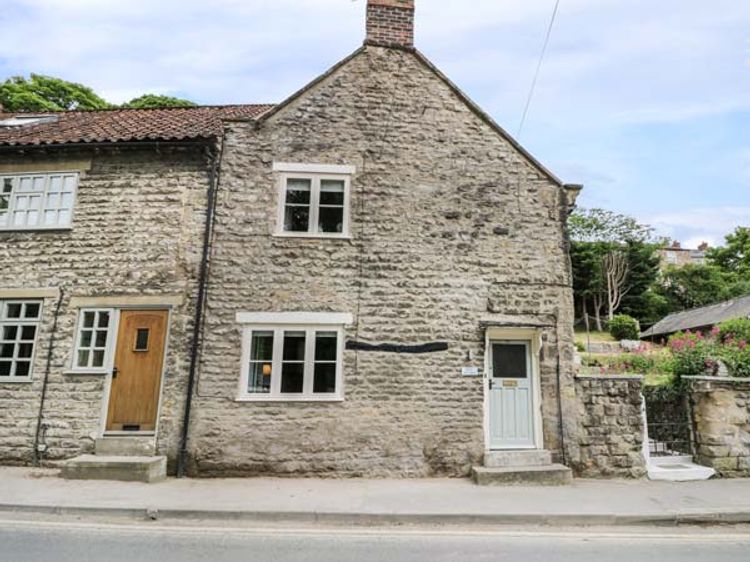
point(721, 417)
point(610, 433)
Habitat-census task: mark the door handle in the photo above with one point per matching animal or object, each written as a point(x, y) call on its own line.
point(491, 384)
point(114, 372)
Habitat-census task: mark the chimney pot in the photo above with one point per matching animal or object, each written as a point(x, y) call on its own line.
point(390, 23)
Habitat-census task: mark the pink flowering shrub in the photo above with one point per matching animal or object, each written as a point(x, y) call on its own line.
point(693, 353)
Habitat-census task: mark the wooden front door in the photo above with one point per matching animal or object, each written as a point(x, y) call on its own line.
point(136, 376)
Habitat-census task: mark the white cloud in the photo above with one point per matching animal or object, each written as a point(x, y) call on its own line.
point(694, 226)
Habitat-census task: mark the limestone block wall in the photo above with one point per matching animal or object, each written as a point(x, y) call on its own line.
point(611, 427)
point(451, 228)
point(721, 418)
point(139, 217)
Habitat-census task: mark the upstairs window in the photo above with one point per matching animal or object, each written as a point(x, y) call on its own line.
point(19, 327)
point(314, 200)
point(37, 201)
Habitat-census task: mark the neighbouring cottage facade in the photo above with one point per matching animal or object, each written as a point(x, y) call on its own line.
point(385, 291)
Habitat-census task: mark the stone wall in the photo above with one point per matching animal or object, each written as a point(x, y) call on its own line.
point(721, 417)
point(139, 217)
point(610, 426)
point(452, 230)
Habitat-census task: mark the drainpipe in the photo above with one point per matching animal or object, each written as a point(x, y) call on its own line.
point(37, 453)
point(214, 159)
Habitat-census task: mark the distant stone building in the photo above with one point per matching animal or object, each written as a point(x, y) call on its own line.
point(675, 255)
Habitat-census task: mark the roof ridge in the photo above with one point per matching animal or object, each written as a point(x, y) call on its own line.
point(115, 109)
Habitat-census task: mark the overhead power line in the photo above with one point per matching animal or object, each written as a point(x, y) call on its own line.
point(538, 67)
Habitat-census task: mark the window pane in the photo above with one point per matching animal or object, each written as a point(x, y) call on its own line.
point(260, 377)
point(292, 378)
point(262, 346)
point(88, 319)
point(13, 310)
point(6, 350)
point(32, 310)
point(298, 192)
point(141, 339)
point(325, 346)
point(86, 338)
point(509, 361)
point(294, 346)
point(101, 339)
point(22, 369)
point(97, 359)
point(7, 185)
point(325, 378)
point(28, 333)
point(103, 319)
point(331, 219)
point(83, 358)
point(5, 368)
point(25, 350)
point(331, 192)
point(296, 219)
point(10, 333)
point(4, 202)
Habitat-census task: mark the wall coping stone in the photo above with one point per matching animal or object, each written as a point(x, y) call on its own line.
point(612, 377)
point(719, 379)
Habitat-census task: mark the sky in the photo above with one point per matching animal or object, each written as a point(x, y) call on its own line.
point(645, 102)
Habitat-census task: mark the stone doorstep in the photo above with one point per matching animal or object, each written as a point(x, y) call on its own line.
point(122, 468)
point(550, 475)
point(126, 446)
point(678, 468)
point(508, 459)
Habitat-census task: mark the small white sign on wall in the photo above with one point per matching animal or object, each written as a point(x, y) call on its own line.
point(470, 372)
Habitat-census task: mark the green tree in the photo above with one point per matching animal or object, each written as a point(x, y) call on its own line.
point(734, 256)
point(148, 101)
point(45, 93)
point(693, 286)
point(598, 235)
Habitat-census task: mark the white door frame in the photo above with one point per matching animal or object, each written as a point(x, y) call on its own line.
point(534, 338)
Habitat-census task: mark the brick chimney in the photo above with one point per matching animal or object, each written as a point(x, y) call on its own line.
point(390, 23)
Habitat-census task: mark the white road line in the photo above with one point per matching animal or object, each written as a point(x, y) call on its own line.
point(590, 534)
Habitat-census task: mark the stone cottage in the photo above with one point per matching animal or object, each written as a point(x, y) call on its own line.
point(102, 216)
point(373, 279)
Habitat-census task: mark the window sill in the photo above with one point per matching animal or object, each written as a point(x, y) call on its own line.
point(86, 373)
point(37, 229)
point(281, 399)
point(312, 235)
point(17, 381)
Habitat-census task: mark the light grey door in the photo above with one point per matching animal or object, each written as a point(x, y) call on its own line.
point(511, 403)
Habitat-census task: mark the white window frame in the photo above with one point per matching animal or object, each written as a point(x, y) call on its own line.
point(44, 195)
point(20, 322)
point(315, 174)
point(109, 350)
point(278, 323)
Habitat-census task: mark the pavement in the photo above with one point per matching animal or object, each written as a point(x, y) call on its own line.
point(377, 502)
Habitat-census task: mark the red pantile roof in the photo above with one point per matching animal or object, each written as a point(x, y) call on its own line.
point(123, 125)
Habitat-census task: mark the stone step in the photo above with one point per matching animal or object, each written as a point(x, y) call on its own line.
point(126, 446)
point(507, 459)
point(550, 475)
point(679, 468)
point(123, 468)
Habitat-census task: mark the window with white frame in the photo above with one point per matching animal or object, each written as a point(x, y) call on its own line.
point(93, 339)
point(19, 328)
point(292, 362)
point(37, 201)
point(314, 200)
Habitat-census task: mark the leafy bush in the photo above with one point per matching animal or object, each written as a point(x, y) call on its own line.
point(580, 347)
point(693, 353)
point(736, 356)
point(737, 329)
point(642, 361)
point(624, 327)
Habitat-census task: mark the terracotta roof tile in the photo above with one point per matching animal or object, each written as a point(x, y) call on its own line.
point(123, 125)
